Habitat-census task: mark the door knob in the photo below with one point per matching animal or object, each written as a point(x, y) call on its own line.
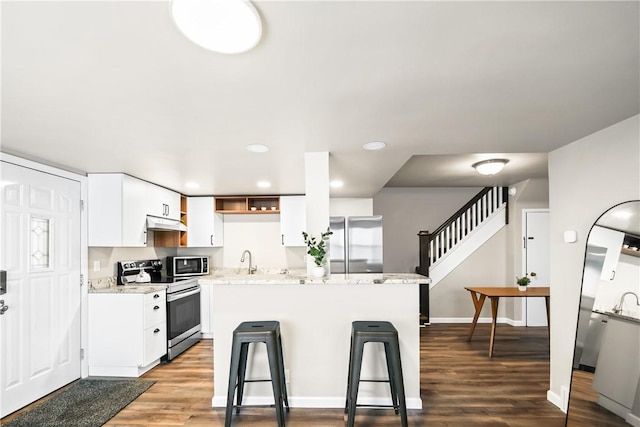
point(533, 274)
point(3, 307)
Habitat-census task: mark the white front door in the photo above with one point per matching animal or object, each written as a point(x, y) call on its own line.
point(536, 263)
point(40, 330)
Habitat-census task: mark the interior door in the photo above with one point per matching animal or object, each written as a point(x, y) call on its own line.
point(536, 266)
point(40, 330)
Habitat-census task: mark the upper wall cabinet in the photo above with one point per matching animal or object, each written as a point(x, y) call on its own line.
point(162, 202)
point(293, 220)
point(116, 210)
point(205, 227)
point(612, 241)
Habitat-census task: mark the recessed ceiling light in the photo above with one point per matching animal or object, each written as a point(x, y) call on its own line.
point(192, 185)
point(224, 26)
point(336, 183)
point(490, 167)
point(264, 184)
point(257, 148)
point(374, 145)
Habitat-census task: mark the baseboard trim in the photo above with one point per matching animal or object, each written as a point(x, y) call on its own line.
point(315, 402)
point(632, 419)
point(557, 400)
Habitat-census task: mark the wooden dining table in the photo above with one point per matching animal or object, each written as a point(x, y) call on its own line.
point(479, 294)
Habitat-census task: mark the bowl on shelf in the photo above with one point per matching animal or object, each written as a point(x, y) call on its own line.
point(253, 208)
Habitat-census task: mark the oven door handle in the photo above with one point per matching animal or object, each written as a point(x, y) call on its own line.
point(178, 295)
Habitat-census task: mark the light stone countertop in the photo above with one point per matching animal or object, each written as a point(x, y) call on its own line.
point(333, 279)
point(129, 289)
point(622, 316)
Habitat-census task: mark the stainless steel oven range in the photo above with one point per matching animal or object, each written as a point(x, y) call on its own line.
point(183, 301)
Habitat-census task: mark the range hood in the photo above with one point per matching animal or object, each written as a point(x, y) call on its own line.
point(164, 224)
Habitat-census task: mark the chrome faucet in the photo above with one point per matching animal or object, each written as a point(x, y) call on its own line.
point(251, 269)
point(618, 308)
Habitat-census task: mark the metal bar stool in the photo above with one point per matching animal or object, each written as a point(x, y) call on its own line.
point(373, 331)
point(246, 333)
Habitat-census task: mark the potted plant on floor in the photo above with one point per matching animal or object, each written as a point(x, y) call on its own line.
point(522, 282)
point(317, 248)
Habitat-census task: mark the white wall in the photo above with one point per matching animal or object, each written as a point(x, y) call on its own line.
point(586, 178)
point(260, 234)
point(350, 207)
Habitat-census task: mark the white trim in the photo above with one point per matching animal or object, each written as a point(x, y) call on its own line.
point(632, 419)
point(556, 400)
point(84, 252)
point(314, 402)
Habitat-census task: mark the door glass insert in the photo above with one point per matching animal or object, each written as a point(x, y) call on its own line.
point(40, 231)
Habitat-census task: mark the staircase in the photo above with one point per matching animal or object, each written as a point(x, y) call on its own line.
point(463, 233)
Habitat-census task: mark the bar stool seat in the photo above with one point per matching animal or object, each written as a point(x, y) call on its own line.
point(383, 332)
point(267, 332)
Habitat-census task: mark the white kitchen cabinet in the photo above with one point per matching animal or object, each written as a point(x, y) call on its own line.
point(612, 241)
point(127, 333)
point(116, 210)
point(162, 202)
point(617, 371)
point(206, 327)
point(293, 220)
point(205, 227)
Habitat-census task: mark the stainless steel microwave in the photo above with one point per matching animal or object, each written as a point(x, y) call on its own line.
point(184, 266)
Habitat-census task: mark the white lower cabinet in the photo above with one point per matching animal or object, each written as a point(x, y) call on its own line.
point(127, 333)
point(617, 371)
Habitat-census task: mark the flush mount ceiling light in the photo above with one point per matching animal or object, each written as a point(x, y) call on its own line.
point(224, 26)
point(374, 145)
point(257, 148)
point(336, 183)
point(264, 184)
point(192, 185)
point(490, 167)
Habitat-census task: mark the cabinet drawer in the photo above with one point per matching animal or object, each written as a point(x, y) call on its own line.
point(155, 343)
point(155, 313)
point(155, 297)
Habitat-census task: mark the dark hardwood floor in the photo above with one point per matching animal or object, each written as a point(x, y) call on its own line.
point(460, 386)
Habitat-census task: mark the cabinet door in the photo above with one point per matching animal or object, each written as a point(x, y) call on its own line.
point(162, 202)
point(205, 227)
point(293, 220)
point(116, 210)
point(612, 241)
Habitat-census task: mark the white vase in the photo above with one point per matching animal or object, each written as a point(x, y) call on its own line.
point(318, 271)
point(522, 288)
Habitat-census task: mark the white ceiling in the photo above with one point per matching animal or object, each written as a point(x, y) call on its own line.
point(115, 87)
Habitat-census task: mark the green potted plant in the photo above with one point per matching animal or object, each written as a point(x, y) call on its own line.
point(522, 282)
point(317, 248)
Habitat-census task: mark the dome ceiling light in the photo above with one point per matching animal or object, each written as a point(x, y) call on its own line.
point(224, 26)
point(374, 145)
point(490, 167)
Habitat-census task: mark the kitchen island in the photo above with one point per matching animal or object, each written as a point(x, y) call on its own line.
point(315, 318)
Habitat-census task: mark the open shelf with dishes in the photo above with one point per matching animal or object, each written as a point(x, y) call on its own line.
point(248, 204)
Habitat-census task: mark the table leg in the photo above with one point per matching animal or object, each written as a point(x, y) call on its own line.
point(546, 302)
point(477, 303)
point(494, 316)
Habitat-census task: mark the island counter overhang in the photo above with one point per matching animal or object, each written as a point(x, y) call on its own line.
point(315, 318)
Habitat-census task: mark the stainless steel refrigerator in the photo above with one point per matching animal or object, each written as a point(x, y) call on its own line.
point(356, 244)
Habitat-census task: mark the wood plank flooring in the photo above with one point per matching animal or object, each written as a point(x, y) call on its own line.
point(460, 386)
